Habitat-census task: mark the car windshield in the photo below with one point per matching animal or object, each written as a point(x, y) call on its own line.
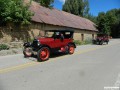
point(57, 34)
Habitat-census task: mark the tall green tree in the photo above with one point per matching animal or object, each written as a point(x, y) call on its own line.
point(109, 22)
point(92, 18)
point(14, 11)
point(3, 5)
point(103, 24)
point(46, 3)
point(77, 7)
point(114, 22)
point(85, 8)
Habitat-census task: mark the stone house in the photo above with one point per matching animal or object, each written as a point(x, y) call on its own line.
point(51, 19)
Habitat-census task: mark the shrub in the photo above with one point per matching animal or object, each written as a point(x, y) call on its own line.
point(30, 40)
point(77, 42)
point(88, 41)
point(3, 47)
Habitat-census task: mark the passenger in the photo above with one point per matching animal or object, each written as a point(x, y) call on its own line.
point(61, 37)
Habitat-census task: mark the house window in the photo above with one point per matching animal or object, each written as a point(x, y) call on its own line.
point(82, 37)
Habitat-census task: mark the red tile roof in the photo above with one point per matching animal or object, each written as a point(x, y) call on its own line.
point(60, 18)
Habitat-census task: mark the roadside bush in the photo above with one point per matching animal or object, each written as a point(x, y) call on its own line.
point(77, 42)
point(3, 47)
point(30, 40)
point(88, 41)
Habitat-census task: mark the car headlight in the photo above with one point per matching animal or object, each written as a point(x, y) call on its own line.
point(38, 42)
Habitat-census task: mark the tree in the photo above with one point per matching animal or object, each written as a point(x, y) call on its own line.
point(92, 18)
point(86, 8)
point(3, 4)
point(46, 3)
point(102, 23)
point(109, 22)
point(77, 7)
point(114, 22)
point(14, 11)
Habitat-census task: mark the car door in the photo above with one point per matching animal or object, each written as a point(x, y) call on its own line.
point(58, 43)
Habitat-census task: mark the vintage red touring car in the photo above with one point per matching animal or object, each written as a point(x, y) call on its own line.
point(52, 42)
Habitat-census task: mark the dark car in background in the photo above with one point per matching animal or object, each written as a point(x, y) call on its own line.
point(101, 39)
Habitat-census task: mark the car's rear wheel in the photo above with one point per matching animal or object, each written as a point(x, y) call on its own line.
point(106, 42)
point(97, 43)
point(101, 43)
point(71, 49)
point(27, 52)
point(43, 54)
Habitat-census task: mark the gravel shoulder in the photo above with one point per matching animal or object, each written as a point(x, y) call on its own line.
point(11, 52)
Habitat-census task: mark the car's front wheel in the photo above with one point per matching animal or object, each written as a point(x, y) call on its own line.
point(43, 54)
point(27, 52)
point(101, 43)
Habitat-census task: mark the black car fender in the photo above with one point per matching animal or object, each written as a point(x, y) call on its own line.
point(42, 45)
point(27, 44)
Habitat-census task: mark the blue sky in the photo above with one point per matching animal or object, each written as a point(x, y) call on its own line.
point(96, 6)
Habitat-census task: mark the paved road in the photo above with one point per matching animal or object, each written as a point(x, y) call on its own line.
point(92, 67)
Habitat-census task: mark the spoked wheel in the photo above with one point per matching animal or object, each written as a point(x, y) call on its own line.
point(71, 49)
point(101, 43)
point(27, 52)
point(43, 54)
point(107, 42)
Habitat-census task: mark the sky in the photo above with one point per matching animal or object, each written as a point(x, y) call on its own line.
point(96, 6)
